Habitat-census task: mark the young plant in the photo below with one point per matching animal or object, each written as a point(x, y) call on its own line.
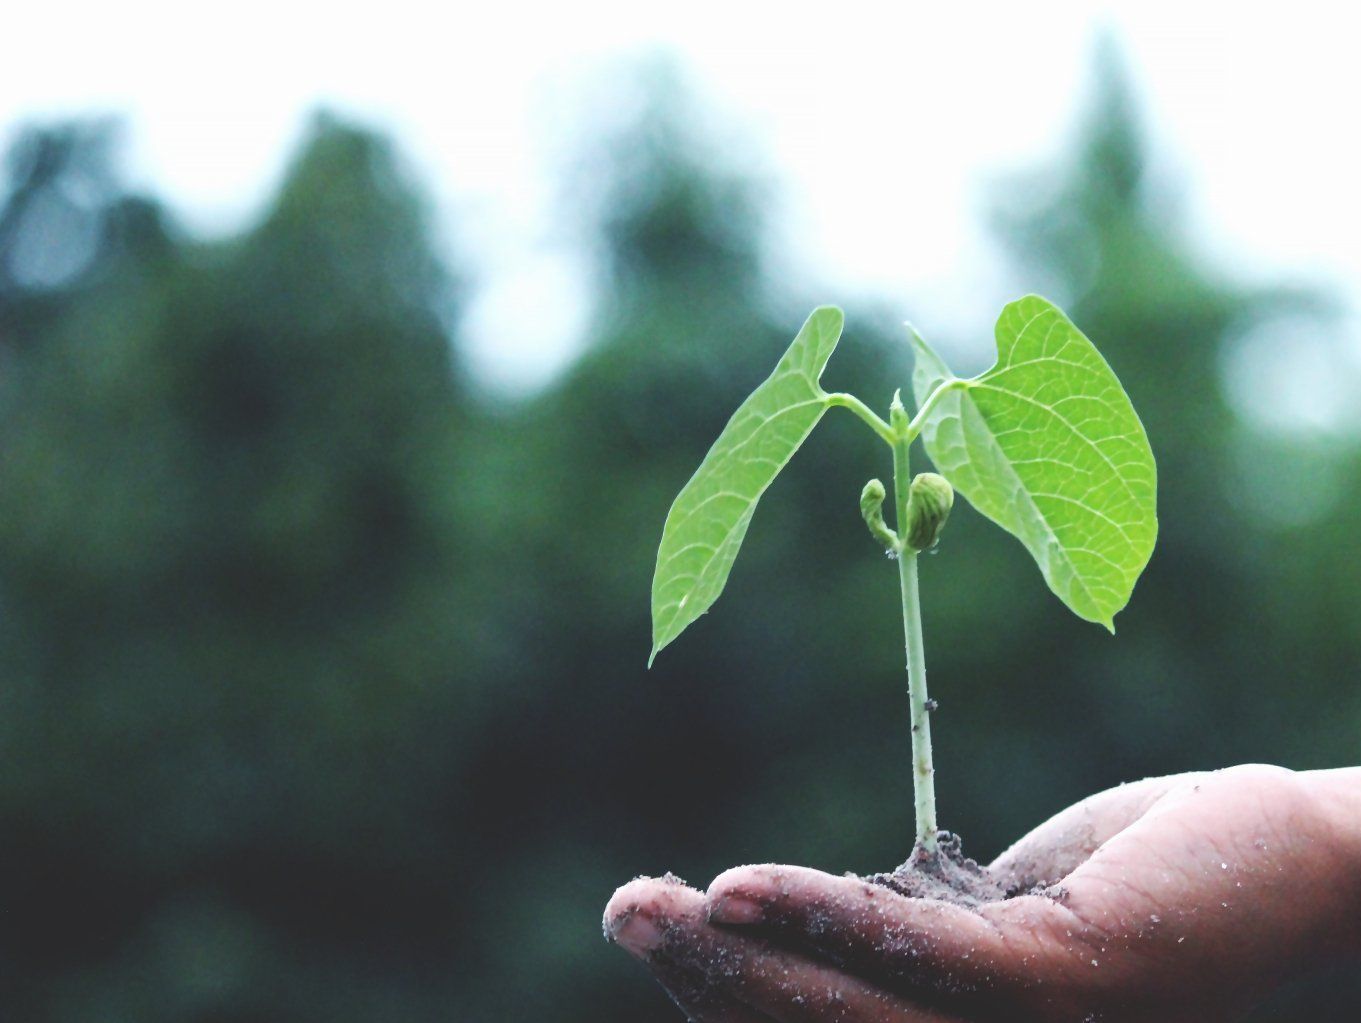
point(1045, 443)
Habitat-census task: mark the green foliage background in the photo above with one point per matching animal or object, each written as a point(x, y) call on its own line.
point(321, 672)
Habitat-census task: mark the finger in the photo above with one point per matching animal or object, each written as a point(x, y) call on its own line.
point(924, 948)
point(631, 922)
point(1064, 842)
point(793, 988)
point(783, 985)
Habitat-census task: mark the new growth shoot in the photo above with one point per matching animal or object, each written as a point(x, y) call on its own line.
point(1045, 443)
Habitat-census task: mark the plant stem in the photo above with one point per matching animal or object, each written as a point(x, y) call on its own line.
point(867, 414)
point(923, 775)
point(942, 389)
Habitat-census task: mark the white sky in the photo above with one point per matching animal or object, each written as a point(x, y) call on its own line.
point(886, 124)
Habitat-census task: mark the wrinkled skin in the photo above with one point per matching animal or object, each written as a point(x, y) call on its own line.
point(1179, 898)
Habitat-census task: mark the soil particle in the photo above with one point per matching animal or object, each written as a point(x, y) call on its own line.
point(947, 875)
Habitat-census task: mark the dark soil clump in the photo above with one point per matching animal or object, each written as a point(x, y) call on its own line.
point(946, 875)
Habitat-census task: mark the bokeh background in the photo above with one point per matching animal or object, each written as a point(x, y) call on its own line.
point(323, 625)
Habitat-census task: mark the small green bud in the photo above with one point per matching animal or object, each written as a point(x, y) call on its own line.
point(897, 414)
point(872, 511)
point(929, 501)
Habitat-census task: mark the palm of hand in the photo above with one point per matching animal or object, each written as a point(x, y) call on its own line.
point(1181, 898)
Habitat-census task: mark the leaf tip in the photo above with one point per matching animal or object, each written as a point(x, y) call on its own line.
point(1031, 298)
point(831, 312)
point(658, 645)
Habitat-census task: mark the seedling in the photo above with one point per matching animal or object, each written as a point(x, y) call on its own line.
point(1045, 443)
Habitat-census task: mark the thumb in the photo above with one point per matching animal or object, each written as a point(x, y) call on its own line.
point(1063, 843)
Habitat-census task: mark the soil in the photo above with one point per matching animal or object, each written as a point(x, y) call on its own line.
point(947, 875)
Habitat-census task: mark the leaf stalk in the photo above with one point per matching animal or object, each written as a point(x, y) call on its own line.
point(919, 420)
point(867, 414)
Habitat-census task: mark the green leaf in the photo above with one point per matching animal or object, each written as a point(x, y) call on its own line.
point(1048, 446)
point(709, 517)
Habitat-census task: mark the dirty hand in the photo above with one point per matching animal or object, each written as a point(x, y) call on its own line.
point(1179, 898)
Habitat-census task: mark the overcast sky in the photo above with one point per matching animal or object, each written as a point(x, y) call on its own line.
point(1257, 111)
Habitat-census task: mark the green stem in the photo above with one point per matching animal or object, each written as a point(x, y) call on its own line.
point(923, 775)
point(850, 401)
point(915, 427)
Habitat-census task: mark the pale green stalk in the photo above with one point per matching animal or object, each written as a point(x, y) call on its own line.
point(923, 774)
point(849, 401)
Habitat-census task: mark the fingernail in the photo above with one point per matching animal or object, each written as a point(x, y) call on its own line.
point(733, 909)
point(637, 933)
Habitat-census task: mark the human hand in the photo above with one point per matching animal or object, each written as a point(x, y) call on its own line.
point(1179, 898)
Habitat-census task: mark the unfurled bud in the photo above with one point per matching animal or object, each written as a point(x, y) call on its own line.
point(872, 511)
point(929, 501)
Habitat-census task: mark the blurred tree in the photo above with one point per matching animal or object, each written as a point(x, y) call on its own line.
point(66, 222)
point(1103, 232)
point(1192, 681)
point(1235, 645)
point(232, 632)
